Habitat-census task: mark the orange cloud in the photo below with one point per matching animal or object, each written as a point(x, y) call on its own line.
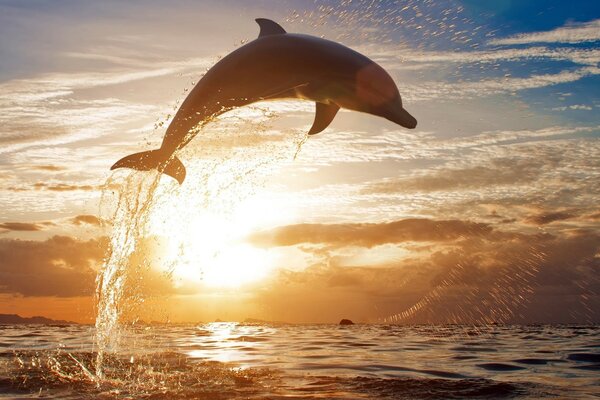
point(548, 217)
point(86, 219)
point(497, 172)
point(371, 234)
point(59, 187)
point(481, 279)
point(60, 266)
point(62, 187)
point(48, 168)
point(21, 226)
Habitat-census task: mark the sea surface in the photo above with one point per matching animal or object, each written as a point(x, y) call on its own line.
point(257, 361)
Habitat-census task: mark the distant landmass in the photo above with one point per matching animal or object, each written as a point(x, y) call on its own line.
point(17, 319)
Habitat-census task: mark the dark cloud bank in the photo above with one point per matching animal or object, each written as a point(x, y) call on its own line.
point(63, 266)
point(60, 266)
point(467, 273)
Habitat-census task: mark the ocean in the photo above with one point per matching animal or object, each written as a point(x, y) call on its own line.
point(261, 361)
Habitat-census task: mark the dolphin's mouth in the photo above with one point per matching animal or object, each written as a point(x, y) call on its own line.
point(402, 117)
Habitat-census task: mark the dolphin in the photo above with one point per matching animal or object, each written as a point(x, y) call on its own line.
point(278, 65)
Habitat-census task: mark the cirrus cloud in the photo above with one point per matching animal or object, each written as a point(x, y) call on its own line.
point(574, 33)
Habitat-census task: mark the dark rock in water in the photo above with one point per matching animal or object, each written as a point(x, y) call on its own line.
point(346, 322)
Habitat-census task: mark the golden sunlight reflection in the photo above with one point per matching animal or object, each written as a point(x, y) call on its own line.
point(227, 342)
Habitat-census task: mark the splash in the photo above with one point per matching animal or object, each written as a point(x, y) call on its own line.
point(161, 374)
point(227, 162)
point(134, 202)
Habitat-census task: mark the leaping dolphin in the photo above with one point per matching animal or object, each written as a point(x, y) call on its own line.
point(278, 65)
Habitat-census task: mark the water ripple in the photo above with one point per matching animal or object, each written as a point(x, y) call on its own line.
point(229, 360)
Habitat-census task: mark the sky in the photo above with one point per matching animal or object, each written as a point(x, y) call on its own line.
point(486, 212)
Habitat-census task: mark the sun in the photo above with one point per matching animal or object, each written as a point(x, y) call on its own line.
point(239, 264)
point(209, 247)
point(206, 222)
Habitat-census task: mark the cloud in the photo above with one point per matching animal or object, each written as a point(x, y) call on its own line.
point(432, 90)
point(50, 86)
point(431, 59)
point(63, 266)
point(574, 33)
point(548, 217)
point(63, 187)
point(49, 168)
point(585, 59)
point(86, 219)
point(370, 234)
point(60, 266)
point(498, 172)
point(506, 137)
point(594, 216)
point(497, 277)
point(398, 145)
point(50, 123)
point(452, 176)
point(573, 107)
point(58, 187)
point(21, 226)
point(53, 109)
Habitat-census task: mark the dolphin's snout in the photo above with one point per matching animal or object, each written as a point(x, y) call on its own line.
point(407, 120)
point(402, 117)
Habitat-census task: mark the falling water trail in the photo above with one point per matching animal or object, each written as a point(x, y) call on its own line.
point(134, 200)
point(300, 144)
point(224, 177)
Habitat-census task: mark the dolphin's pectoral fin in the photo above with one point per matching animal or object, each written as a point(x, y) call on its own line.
point(268, 27)
point(323, 117)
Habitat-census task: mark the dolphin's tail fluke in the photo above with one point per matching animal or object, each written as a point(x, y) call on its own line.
point(154, 159)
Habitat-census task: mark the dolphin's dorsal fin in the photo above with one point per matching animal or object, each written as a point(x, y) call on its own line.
point(268, 27)
point(325, 113)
